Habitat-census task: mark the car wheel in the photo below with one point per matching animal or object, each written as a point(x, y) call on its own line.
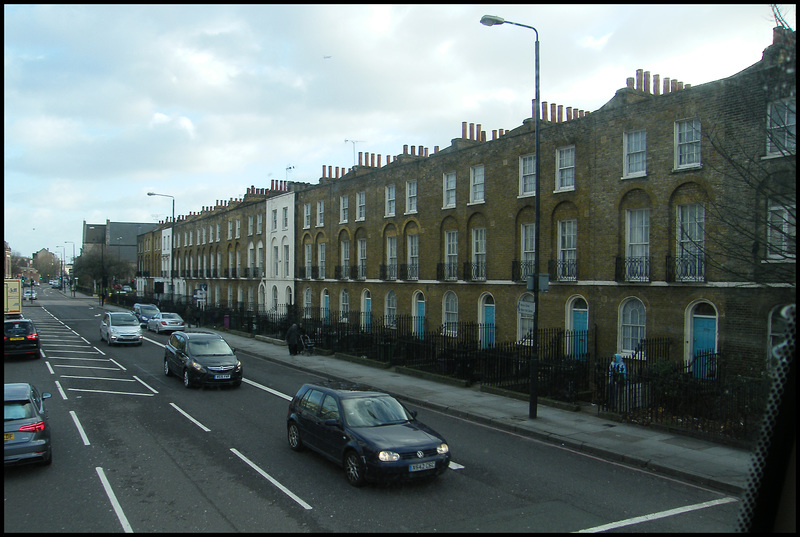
point(49, 460)
point(109, 341)
point(166, 368)
point(294, 438)
point(101, 336)
point(353, 469)
point(187, 382)
point(237, 384)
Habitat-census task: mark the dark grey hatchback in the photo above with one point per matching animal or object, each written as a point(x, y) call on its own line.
point(201, 359)
point(26, 431)
point(371, 434)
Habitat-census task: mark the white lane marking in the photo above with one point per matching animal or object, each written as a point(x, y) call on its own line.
point(61, 391)
point(109, 391)
point(88, 367)
point(95, 378)
point(114, 503)
point(271, 479)
point(455, 466)
point(176, 407)
point(80, 428)
point(266, 389)
point(656, 516)
point(145, 384)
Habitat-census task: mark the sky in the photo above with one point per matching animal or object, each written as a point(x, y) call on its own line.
point(103, 104)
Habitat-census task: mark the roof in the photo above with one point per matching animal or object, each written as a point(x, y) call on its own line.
point(345, 392)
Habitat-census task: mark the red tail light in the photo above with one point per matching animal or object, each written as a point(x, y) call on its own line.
point(33, 427)
point(35, 335)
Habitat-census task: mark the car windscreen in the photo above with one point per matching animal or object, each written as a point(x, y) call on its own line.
point(17, 329)
point(17, 410)
point(124, 320)
point(149, 310)
point(373, 411)
point(209, 347)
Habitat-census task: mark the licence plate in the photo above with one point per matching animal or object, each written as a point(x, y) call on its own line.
point(16, 338)
point(221, 377)
point(8, 436)
point(430, 465)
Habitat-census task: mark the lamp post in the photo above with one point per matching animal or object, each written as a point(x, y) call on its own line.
point(61, 269)
point(72, 283)
point(491, 20)
point(171, 244)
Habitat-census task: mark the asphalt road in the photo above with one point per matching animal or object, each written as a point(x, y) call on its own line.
point(136, 451)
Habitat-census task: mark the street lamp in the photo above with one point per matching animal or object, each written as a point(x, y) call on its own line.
point(72, 283)
point(491, 20)
point(171, 243)
point(61, 270)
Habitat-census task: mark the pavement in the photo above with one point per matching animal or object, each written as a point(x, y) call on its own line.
point(705, 463)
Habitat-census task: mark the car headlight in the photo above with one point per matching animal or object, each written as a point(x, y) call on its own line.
point(198, 367)
point(238, 365)
point(388, 456)
point(442, 449)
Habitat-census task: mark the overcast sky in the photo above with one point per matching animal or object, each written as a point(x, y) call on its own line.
point(103, 104)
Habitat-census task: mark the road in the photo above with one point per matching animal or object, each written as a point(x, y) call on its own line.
point(136, 451)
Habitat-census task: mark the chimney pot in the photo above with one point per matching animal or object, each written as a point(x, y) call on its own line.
point(656, 84)
point(646, 82)
point(639, 79)
point(463, 129)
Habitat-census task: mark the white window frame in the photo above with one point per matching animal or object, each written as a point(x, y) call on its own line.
point(411, 197)
point(634, 147)
point(687, 144)
point(565, 168)
point(528, 255)
point(448, 190)
point(632, 325)
point(690, 238)
point(413, 256)
point(567, 246)
point(344, 209)
point(320, 213)
point(306, 215)
point(451, 255)
point(782, 128)
point(361, 206)
point(527, 175)
point(389, 207)
point(479, 254)
point(781, 231)
point(321, 258)
point(450, 314)
point(477, 184)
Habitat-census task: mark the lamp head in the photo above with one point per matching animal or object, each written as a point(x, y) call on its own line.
point(491, 20)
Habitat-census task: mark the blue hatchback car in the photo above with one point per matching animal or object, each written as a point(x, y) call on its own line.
point(370, 434)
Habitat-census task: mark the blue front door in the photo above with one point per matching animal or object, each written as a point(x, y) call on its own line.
point(704, 331)
point(488, 326)
point(580, 327)
point(420, 321)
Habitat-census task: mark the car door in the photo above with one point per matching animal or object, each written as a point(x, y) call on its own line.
point(331, 431)
point(104, 326)
point(308, 418)
point(173, 352)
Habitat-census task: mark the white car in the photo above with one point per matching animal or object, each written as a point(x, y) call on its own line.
point(29, 294)
point(120, 327)
point(165, 322)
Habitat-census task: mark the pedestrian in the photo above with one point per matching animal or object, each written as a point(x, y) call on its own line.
point(197, 313)
point(617, 376)
point(293, 339)
point(189, 315)
point(103, 298)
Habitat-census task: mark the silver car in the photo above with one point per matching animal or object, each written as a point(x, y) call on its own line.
point(165, 322)
point(120, 327)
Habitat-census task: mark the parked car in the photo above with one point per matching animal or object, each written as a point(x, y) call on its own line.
point(202, 359)
point(26, 431)
point(143, 312)
point(127, 289)
point(165, 322)
point(29, 294)
point(20, 337)
point(118, 327)
point(371, 434)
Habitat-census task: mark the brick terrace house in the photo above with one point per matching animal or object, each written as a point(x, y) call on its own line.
point(669, 212)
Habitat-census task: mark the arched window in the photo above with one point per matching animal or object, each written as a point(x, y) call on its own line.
point(525, 318)
point(450, 314)
point(632, 324)
point(307, 303)
point(344, 302)
point(391, 308)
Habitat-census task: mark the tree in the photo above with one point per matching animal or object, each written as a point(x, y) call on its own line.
point(751, 234)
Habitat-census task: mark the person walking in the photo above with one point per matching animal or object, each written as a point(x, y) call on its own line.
point(293, 339)
point(617, 376)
